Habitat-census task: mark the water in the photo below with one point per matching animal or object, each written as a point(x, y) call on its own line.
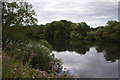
point(88, 59)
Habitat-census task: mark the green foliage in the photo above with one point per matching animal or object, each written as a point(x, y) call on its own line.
point(110, 25)
point(38, 52)
point(23, 40)
point(18, 13)
point(73, 35)
point(42, 58)
point(111, 50)
point(83, 28)
point(100, 35)
point(110, 32)
point(23, 44)
point(57, 34)
point(15, 69)
point(79, 37)
point(22, 14)
point(79, 31)
point(113, 37)
point(55, 30)
point(91, 35)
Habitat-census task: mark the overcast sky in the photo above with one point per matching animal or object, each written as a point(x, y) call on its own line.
point(93, 12)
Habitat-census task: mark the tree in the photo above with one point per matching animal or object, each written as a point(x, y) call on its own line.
point(73, 34)
point(83, 28)
point(100, 32)
point(18, 13)
point(91, 35)
point(59, 30)
point(113, 30)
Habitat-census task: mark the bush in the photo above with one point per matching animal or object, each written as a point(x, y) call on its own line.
point(91, 35)
point(73, 35)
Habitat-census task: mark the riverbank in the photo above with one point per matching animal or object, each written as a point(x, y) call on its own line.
point(12, 68)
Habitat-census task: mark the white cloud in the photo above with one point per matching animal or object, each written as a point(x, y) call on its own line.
point(90, 65)
point(73, 1)
point(93, 12)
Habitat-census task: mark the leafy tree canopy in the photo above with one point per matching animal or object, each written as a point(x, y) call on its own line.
point(18, 13)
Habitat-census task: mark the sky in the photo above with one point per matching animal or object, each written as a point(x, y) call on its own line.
point(90, 65)
point(94, 12)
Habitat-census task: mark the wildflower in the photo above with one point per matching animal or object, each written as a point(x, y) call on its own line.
point(39, 71)
point(18, 68)
point(43, 73)
point(55, 68)
point(15, 69)
point(32, 55)
point(51, 62)
point(55, 73)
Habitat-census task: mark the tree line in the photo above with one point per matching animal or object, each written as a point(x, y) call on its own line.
point(22, 37)
point(19, 14)
point(79, 31)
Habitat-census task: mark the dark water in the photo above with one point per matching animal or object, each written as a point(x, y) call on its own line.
point(88, 59)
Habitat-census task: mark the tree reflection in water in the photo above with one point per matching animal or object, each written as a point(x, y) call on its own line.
point(110, 50)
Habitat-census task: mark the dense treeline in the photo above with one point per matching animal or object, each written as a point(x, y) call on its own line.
point(24, 40)
point(13, 16)
point(65, 30)
point(110, 32)
point(80, 31)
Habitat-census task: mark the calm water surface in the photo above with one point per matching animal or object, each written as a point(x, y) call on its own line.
point(88, 59)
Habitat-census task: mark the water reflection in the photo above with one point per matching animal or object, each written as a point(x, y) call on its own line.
point(88, 59)
point(110, 50)
point(78, 46)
